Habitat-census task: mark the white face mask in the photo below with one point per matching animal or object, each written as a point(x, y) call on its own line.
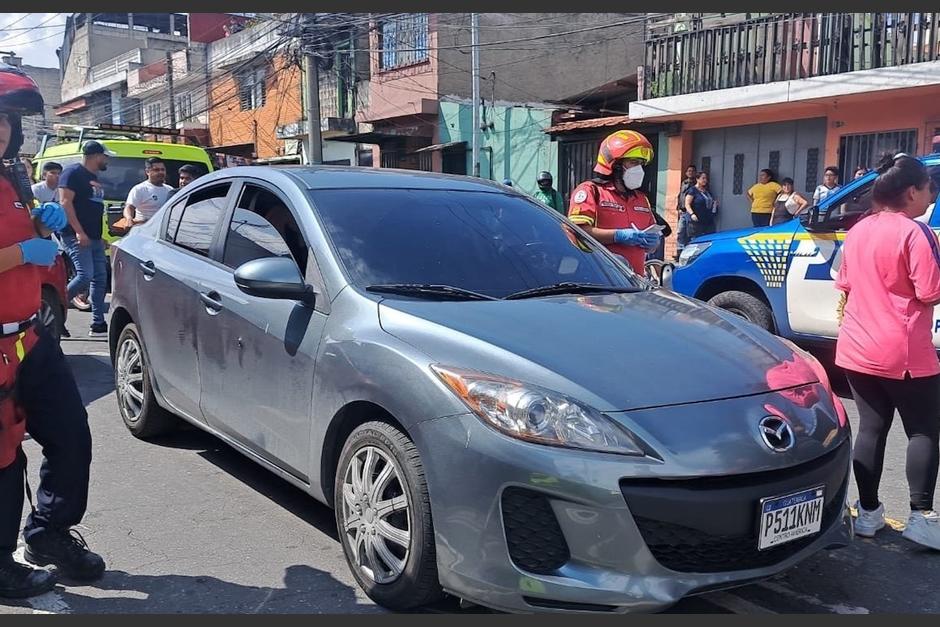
point(632, 177)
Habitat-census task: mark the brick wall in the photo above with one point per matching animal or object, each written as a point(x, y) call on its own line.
point(229, 124)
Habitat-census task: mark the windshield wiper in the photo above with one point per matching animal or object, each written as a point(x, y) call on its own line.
point(571, 288)
point(416, 289)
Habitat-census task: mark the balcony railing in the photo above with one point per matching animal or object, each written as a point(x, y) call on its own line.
point(785, 46)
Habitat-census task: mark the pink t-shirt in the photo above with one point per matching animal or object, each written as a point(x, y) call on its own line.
point(891, 272)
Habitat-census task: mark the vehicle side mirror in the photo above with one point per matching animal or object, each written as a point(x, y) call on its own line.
point(274, 277)
point(810, 218)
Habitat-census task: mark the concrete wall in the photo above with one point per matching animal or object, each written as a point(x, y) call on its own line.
point(520, 150)
point(538, 70)
point(228, 124)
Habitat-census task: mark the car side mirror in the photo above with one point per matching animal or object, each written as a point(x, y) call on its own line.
point(810, 218)
point(274, 277)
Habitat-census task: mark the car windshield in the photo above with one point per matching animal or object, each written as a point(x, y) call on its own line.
point(125, 172)
point(491, 243)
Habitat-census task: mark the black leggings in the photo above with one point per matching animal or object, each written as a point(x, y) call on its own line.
point(918, 403)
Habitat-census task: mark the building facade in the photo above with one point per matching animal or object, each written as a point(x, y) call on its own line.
point(793, 92)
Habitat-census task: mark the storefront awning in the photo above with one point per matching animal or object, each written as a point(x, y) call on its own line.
point(239, 150)
point(583, 125)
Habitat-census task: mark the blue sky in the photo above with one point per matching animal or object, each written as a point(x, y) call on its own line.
point(32, 36)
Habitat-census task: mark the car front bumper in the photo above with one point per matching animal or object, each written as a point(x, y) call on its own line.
point(613, 559)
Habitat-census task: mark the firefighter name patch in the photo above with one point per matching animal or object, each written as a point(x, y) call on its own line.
point(581, 196)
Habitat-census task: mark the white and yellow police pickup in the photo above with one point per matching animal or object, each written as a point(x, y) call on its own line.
point(782, 277)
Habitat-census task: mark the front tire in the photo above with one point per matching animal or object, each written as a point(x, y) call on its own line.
point(383, 518)
point(747, 306)
point(141, 413)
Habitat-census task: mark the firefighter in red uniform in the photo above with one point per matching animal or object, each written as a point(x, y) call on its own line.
point(37, 391)
point(610, 208)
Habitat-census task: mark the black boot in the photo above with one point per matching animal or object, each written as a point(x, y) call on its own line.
point(18, 581)
point(67, 549)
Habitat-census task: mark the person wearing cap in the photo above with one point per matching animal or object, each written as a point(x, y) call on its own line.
point(47, 190)
point(548, 195)
point(38, 393)
point(83, 198)
point(611, 208)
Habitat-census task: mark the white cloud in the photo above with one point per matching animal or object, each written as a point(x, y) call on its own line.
point(33, 36)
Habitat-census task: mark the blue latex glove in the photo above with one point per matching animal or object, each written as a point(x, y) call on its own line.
point(52, 215)
point(39, 252)
point(630, 237)
point(652, 241)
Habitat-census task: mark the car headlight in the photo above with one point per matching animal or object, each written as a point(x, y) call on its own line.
point(534, 414)
point(691, 252)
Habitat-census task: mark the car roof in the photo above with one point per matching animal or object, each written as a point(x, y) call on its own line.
point(356, 177)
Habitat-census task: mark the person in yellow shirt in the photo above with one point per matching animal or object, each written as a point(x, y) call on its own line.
point(763, 194)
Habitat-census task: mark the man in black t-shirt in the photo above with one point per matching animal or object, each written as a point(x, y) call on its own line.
point(83, 198)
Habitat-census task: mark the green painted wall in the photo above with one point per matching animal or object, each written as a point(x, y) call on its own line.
point(516, 147)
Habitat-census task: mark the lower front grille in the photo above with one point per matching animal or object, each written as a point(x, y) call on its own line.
point(708, 526)
point(536, 543)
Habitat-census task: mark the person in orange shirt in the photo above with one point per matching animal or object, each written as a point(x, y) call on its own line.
point(611, 208)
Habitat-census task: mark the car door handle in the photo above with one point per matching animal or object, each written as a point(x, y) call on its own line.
point(148, 268)
point(212, 301)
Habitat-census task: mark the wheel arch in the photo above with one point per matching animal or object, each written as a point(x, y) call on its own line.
point(344, 422)
point(716, 285)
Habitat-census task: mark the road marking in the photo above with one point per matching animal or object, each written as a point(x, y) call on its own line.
point(736, 604)
point(838, 608)
point(48, 603)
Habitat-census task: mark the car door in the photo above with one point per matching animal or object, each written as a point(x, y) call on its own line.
point(168, 286)
point(257, 355)
point(812, 297)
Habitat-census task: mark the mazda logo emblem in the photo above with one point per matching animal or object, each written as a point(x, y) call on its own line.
point(776, 434)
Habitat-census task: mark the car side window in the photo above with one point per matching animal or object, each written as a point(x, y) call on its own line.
point(840, 216)
point(262, 226)
point(202, 214)
point(173, 221)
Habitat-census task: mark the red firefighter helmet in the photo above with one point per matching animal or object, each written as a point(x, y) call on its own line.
point(622, 145)
point(19, 96)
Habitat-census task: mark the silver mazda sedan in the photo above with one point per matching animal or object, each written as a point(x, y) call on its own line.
point(493, 404)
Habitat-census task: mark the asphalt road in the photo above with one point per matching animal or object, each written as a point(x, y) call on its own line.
point(187, 525)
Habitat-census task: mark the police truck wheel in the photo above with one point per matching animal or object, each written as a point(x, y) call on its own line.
point(383, 517)
point(142, 416)
point(749, 307)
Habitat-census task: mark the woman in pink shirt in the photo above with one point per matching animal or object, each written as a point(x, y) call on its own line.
point(891, 277)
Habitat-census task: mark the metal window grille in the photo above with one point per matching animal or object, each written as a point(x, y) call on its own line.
point(812, 168)
point(774, 162)
point(738, 183)
point(707, 165)
point(865, 149)
point(403, 41)
point(251, 91)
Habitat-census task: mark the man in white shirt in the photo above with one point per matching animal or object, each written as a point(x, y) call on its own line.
point(829, 187)
point(47, 190)
point(145, 198)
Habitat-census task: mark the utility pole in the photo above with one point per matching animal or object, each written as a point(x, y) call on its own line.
point(475, 79)
point(312, 69)
point(169, 85)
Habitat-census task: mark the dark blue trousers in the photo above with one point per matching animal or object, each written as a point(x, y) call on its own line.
point(56, 419)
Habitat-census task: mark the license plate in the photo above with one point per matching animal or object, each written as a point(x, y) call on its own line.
point(786, 518)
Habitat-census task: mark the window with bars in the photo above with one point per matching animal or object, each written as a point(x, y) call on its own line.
point(184, 107)
point(251, 88)
point(865, 149)
point(403, 41)
point(153, 114)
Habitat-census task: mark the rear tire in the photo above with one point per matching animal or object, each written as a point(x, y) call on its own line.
point(141, 413)
point(402, 577)
point(747, 306)
point(51, 314)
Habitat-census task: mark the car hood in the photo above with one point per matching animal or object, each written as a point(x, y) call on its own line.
point(615, 351)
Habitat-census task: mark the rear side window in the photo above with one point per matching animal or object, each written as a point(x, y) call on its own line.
point(200, 217)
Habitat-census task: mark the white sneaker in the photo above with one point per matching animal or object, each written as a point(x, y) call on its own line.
point(868, 523)
point(924, 528)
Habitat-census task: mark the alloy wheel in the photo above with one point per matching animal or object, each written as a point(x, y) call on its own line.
point(376, 515)
point(130, 379)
